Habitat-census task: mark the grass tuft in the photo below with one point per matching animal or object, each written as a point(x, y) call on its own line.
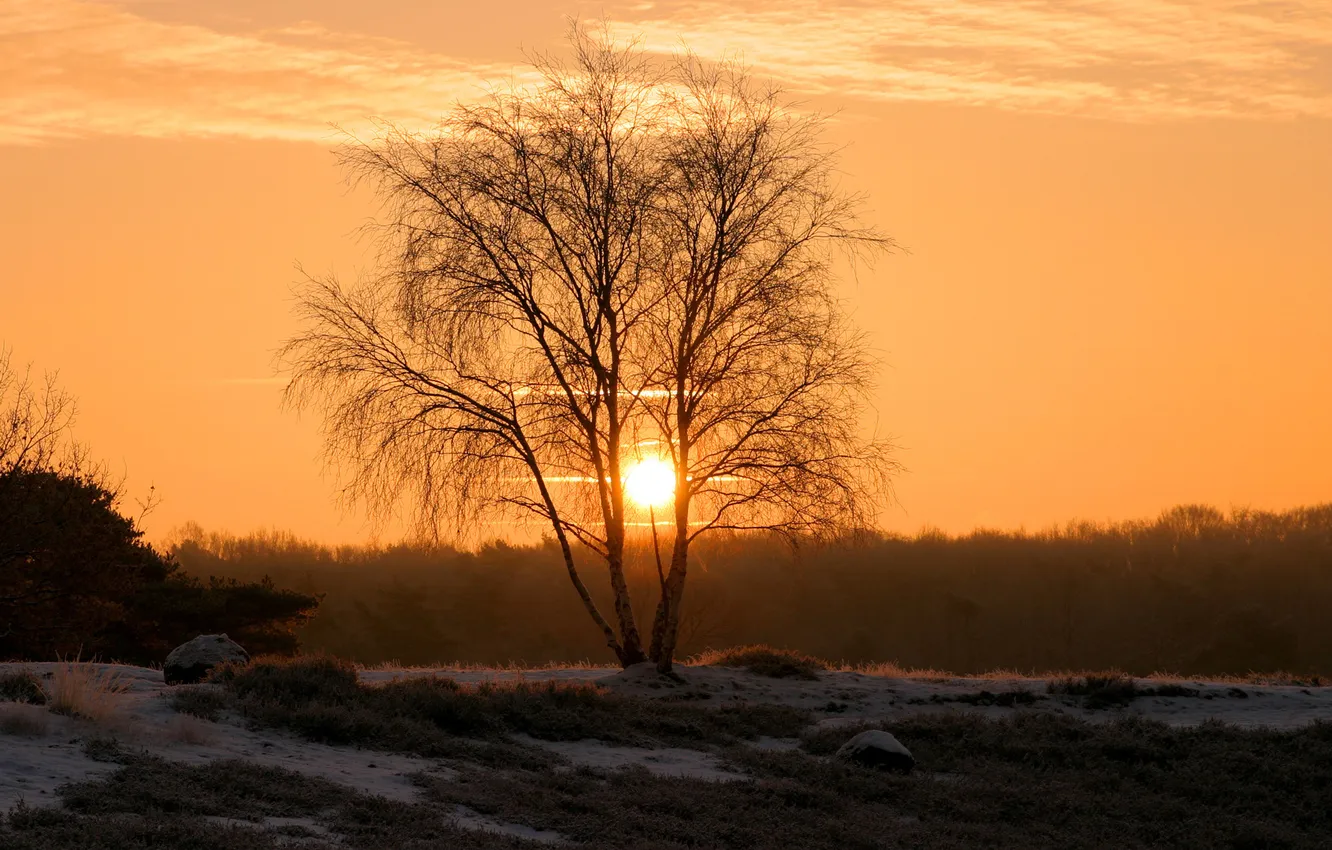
point(1099, 690)
point(22, 686)
point(765, 661)
point(79, 689)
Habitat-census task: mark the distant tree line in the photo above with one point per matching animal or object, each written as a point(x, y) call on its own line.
point(76, 576)
point(1193, 591)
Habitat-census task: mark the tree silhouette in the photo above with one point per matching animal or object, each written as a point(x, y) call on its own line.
point(624, 259)
point(75, 572)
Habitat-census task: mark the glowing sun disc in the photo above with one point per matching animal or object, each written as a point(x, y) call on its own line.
point(650, 483)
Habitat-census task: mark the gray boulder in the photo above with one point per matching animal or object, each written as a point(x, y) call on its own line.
point(876, 748)
point(191, 661)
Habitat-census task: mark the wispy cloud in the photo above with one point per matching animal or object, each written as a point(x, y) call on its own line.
point(74, 68)
point(1129, 59)
point(70, 68)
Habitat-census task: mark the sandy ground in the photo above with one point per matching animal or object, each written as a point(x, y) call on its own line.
point(33, 766)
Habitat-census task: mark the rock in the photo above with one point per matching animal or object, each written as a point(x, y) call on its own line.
point(191, 661)
point(876, 748)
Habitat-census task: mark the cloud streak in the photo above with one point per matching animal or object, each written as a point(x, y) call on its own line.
point(1123, 59)
point(70, 69)
point(74, 68)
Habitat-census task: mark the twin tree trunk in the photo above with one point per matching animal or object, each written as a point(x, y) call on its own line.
point(628, 648)
point(666, 624)
point(673, 223)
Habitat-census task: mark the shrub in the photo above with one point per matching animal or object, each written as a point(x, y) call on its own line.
point(320, 699)
point(1005, 699)
point(1106, 690)
point(289, 681)
point(202, 701)
point(765, 661)
point(22, 686)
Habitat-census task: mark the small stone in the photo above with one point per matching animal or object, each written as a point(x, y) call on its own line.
point(876, 748)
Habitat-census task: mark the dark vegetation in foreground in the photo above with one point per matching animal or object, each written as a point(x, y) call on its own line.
point(1114, 689)
point(1194, 591)
point(1030, 780)
point(76, 577)
point(321, 700)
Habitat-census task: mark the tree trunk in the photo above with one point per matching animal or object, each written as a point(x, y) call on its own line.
point(666, 624)
point(620, 652)
point(666, 627)
point(577, 580)
point(630, 642)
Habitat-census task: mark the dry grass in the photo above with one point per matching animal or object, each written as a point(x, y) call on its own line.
point(80, 689)
point(764, 660)
point(893, 670)
point(474, 667)
point(18, 718)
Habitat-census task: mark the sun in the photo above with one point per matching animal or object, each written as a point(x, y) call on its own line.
point(650, 483)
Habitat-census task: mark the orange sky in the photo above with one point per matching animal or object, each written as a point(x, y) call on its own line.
point(1118, 296)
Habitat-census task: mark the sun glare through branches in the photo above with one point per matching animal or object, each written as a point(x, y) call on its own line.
point(650, 483)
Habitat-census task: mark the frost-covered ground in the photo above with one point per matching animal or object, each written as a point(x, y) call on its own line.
point(34, 764)
point(842, 696)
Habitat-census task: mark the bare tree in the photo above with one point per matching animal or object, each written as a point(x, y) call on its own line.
point(762, 382)
point(484, 368)
point(620, 258)
point(36, 417)
point(35, 421)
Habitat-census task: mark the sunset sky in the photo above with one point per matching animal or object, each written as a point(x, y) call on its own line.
point(1117, 296)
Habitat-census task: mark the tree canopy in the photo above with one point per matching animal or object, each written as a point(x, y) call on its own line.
point(628, 262)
